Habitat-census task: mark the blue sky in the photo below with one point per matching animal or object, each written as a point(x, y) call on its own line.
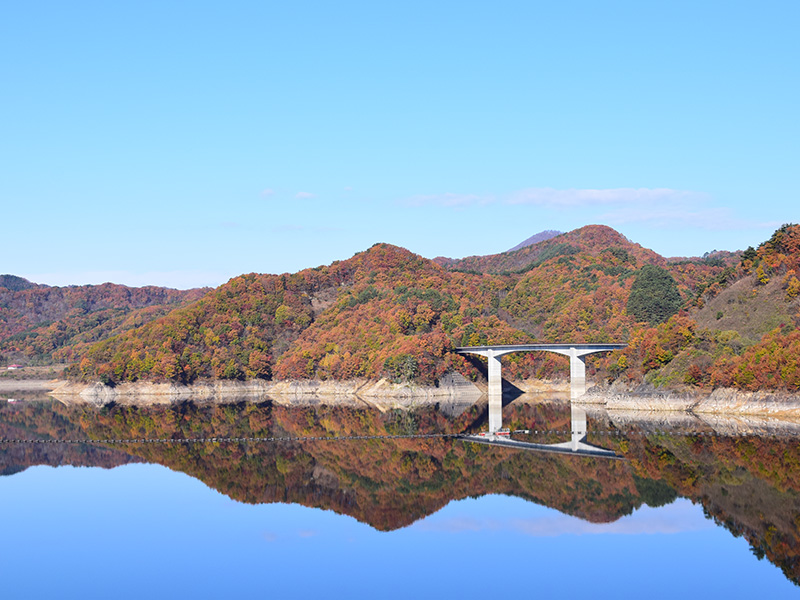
point(181, 144)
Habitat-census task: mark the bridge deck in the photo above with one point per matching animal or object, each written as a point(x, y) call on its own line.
point(545, 347)
point(576, 353)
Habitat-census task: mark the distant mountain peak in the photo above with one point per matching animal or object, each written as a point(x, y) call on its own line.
point(535, 239)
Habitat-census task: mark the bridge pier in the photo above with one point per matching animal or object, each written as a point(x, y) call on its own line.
point(495, 373)
point(577, 368)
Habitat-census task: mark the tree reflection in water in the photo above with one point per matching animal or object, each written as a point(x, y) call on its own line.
point(744, 472)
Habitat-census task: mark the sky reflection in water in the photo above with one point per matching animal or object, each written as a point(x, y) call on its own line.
point(145, 531)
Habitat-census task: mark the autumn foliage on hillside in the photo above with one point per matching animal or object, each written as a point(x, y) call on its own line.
point(230, 333)
point(591, 239)
point(402, 318)
point(388, 313)
point(44, 323)
point(680, 352)
point(385, 312)
point(576, 298)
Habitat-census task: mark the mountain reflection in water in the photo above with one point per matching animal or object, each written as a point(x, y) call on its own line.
point(744, 472)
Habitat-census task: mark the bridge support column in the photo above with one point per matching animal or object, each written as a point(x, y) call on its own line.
point(495, 374)
point(577, 368)
point(495, 391)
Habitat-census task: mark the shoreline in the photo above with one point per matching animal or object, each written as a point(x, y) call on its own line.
point(215, 390)
point(28, 385)
point(452, 385)
point(721, 401)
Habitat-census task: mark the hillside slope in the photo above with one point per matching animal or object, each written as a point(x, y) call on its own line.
point(36, 321)
point(741, 331)
point(591, 239)
point(387, 312)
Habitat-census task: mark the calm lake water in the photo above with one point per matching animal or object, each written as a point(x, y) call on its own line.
point(692, 506)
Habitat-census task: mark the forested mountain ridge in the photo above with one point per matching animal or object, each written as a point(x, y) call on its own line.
point(740, 331)
point(591, 239)
point(15, 283)
point(40, 323)
point(387, 312)
point(384, 311)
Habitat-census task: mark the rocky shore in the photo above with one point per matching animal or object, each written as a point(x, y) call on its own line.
point(615, 397)
point(153, 393)
point(719, 401)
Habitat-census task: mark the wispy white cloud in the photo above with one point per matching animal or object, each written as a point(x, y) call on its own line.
point(661, 208)
point(566, 198)
point(573, 197)
point(693, 215)
point(266, 193)
point(681, 516)
point(304, 195)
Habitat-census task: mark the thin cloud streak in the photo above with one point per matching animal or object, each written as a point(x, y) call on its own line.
point(304, 195)
point(570, 198)
point(659, 208)
point(678, 517)
point(714, 219)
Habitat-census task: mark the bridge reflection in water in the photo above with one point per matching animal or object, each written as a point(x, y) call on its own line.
point(576, 446)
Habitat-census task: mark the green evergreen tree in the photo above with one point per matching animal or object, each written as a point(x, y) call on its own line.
point(654, 296)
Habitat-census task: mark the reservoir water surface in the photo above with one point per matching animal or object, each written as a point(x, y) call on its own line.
point(309, 499)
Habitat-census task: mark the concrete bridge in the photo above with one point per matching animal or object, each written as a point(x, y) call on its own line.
point(576, 353)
